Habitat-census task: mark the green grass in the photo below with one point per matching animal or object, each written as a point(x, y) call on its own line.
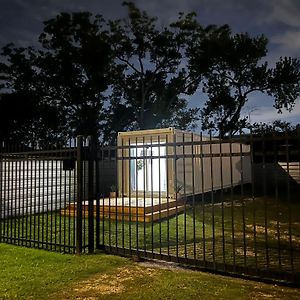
point(35, 274)
point(231, 240)
point(222, 233)
point(31, 272)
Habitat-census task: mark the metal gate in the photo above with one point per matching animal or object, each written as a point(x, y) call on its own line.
point(229, 206)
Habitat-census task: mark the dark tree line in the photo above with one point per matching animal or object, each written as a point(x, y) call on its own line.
point(275, 128)
point(95, 77)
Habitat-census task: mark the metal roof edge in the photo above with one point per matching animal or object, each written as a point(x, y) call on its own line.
point(147, 132)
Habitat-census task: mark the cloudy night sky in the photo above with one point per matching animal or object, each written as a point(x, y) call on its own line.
point(21, 22)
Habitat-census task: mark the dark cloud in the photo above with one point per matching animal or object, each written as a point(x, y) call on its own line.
point(21, 20)
point(285, 12)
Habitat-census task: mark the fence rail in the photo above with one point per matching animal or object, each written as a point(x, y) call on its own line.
point(229, 206)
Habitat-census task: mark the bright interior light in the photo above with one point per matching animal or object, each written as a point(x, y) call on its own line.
point(148, 168)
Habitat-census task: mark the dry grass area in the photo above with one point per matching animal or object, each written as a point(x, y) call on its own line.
point(149, 280)
point(109, 284)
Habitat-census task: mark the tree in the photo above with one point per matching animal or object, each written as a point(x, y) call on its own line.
point(276, 127)
point(149, 79)
point(27, 121)
point(94, 77)
point(25, 117)
point(232, 69)
point(79, 58)
point(76, 68)
point(63, 81)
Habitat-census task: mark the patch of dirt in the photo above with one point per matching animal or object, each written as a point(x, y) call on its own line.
point(164, 265)
point(228, 203)
point(249, 252)
point(108, 284)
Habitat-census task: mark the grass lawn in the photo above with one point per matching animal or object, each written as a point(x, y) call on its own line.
point(247, 232)
point(36, 274)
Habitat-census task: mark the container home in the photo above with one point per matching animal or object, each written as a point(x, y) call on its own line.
point(33, 185)
point(168, 161)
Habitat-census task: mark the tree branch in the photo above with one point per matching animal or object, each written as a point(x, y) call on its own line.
point(129, 64)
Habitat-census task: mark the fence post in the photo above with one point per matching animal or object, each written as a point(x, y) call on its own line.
point(79, 180)
point(1, 192)
point(91, 194)
point(97, 188)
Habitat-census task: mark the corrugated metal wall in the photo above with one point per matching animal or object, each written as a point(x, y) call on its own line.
point(35, 186)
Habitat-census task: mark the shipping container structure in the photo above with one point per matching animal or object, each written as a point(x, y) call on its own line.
point(163, 162)
point(32, 185)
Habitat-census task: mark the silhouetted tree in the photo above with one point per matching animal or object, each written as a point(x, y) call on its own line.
point(78, 60)
point(75, 67)
point(275, 127)
point(232, 69)
point(149, 76)
point(60, 86)
point(94, 77)
point(26, 116)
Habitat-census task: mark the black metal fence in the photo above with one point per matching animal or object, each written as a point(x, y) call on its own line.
point(229, 206)
point(39, 189)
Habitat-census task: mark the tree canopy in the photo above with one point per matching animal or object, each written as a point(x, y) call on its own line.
point(100, 77)
point(149, 80)
point(275, 127)
point(232, 68)
point(25, 115)
point(66, 75)
point(92, 76)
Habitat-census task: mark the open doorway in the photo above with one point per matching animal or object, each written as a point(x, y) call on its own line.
point(148, 169)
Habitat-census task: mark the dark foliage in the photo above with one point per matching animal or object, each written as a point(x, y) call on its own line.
point(231, 67)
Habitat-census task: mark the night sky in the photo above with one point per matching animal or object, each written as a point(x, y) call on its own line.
point(21, 22)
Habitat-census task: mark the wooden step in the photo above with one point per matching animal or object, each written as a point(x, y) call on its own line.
point(141, 209)
point(133, 217)
point(148, 217)
point(293, 170)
